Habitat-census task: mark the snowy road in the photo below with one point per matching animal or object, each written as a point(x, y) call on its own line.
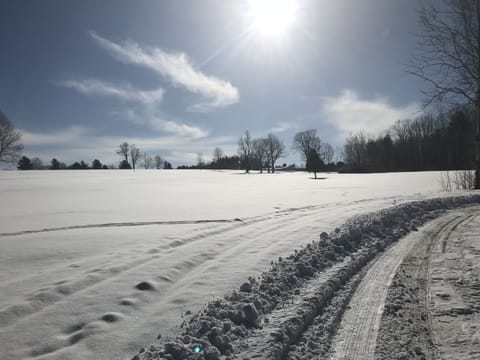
point(454, 284)
point(357, 335)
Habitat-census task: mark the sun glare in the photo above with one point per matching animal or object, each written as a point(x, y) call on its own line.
point(272, 17)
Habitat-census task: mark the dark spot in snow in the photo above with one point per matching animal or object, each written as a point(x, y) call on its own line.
point(145, 286)
point(110, 317)
point(127, 302)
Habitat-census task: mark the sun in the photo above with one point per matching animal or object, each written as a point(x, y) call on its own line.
point(272, 17)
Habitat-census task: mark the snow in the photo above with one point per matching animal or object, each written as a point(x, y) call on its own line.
point(44, 199)
point(454, 290)
point(298, 290)
point(74, 245)
point(432, 307)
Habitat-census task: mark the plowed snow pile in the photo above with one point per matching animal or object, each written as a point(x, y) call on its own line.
point(266, 317)
point(95, 264)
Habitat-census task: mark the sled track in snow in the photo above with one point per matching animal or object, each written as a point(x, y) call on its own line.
point(277, 317)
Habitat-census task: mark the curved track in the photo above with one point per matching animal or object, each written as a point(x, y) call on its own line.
point(357, 334)
point(186, 263)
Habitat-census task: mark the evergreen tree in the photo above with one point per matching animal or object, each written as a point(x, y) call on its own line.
point(124, 165)
point(24, 164)
point(54, 164)
point(96, 164)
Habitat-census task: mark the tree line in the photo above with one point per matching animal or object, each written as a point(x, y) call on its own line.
point(25, 163)
point(428, 142)
point(131, 156)
point(261, 154)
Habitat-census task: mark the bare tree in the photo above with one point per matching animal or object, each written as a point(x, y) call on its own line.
point(260, 151)
point(217, 154)
point(135, 155)
point(147, 161)
point(10, 146)
point(355, 149)
point(123, 150)
point(327, 153)
point(448, 57)
point(37, 164)
point(200, 160)
point(306, 141)
point(275, 149)
point(245, 150)
point(158, 162)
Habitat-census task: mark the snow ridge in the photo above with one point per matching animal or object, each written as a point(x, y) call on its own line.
point(268, 316)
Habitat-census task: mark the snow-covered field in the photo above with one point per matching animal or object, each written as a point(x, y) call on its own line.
point(94, 264)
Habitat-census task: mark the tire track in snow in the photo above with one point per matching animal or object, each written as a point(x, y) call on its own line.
point(356, 337)
point(192, 222)
point(407, 326)
point(44, 304)
point(372, 232)
point(266, 224)
point(149, 223)
point(439, 240)
point(269, 225)
point(224, 242)
point(119, 224)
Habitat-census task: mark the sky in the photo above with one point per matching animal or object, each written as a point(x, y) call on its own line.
point(178, 78)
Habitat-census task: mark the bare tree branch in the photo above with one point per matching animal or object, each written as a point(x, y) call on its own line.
point(10, 146)
point(448, 57)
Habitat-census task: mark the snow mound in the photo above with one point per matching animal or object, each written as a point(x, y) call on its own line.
point(298, 287)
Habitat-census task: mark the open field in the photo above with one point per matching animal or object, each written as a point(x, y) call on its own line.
point(95, 264)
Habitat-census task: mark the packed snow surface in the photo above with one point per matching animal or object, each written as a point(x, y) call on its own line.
point(93, 264)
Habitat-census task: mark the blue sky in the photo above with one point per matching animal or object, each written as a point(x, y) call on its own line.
point(181, 77)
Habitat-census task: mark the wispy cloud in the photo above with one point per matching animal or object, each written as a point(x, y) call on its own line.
point(177, 68)
point(182, 130)
point(282, 127)
point(125, 92)
point(58, 138)
point(349, 114)
point(161, 123)
point(148, 117)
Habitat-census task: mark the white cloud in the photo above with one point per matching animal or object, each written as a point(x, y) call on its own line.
point(63, 137)
point(156, 122)
point(182, 130)
point(177, 69)
point(126, 92)
point(282, 127)
point(349, 114)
